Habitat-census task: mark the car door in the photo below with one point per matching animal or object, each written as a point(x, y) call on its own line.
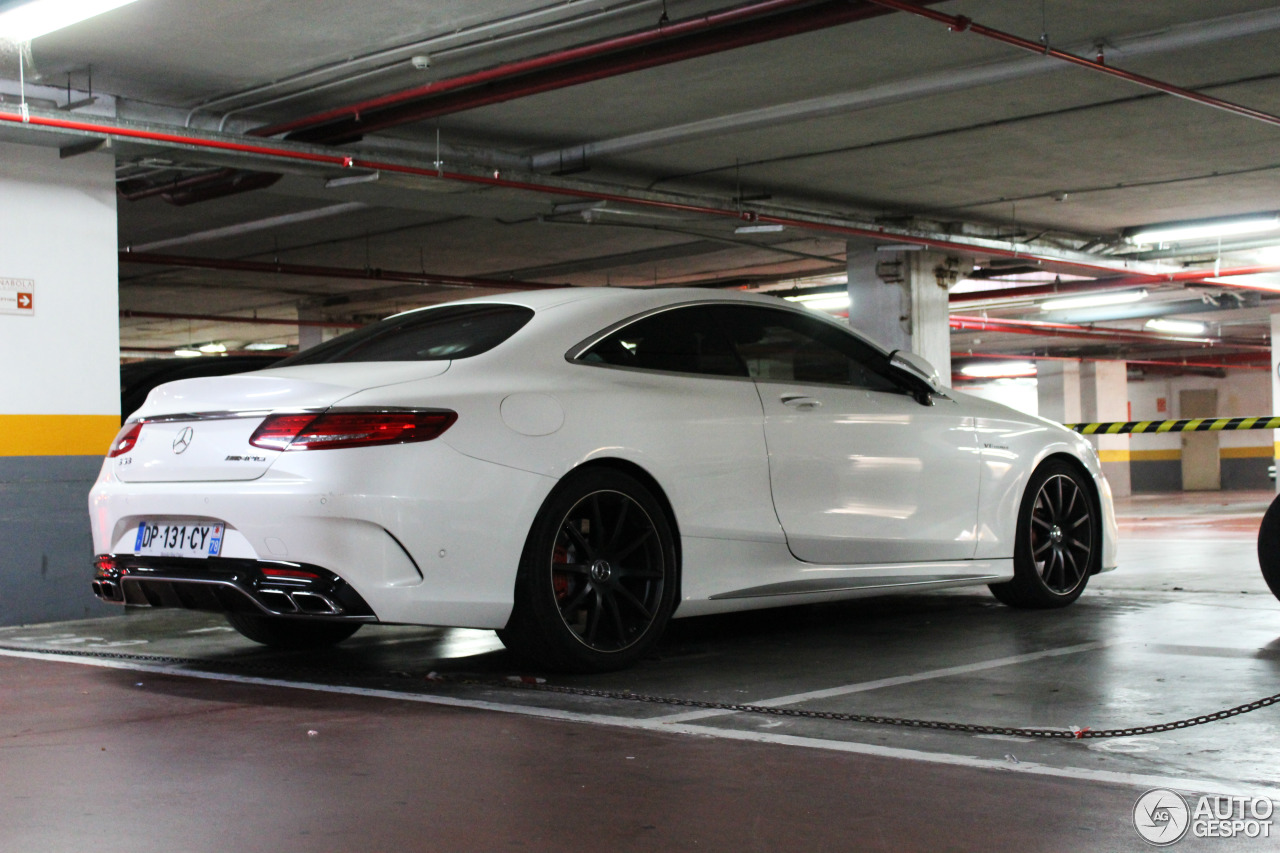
point(686, 403)
point(861, 470)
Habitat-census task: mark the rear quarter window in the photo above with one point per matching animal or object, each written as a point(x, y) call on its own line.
point(432, 334)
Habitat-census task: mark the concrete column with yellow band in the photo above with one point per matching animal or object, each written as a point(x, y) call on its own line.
point(1181, 425)
point(57, 435)
point(1243, 466)
point(60, 350)
point(1104, 394)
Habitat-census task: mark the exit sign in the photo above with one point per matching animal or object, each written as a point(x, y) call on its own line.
point(18, 296)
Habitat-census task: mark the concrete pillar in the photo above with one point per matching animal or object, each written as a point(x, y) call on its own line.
point(1058, 390)
point(1104, 396)
point(1275, 387)
point(60, 383)
point(309, 336)
point(878, 308)
point(899, 299)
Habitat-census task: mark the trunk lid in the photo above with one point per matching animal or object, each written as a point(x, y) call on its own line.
point(199, 429)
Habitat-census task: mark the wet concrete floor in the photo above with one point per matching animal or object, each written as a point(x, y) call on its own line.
point(168, 731)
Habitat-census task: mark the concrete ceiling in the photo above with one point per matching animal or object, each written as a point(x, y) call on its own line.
point(892, 120)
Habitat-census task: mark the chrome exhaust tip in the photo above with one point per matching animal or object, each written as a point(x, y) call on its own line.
point(314, 603)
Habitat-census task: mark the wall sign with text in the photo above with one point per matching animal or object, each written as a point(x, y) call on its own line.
point(18, 296)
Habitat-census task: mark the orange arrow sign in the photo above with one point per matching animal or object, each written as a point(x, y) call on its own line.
point(24, 300)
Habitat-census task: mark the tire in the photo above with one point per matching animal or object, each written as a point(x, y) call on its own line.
point(1269, 547)
point(286, 633)
point(597, 581)
point(1059, 540)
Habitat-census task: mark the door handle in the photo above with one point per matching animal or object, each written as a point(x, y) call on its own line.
point(799, 401)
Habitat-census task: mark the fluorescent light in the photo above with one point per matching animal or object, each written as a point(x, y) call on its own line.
point(999, 369)
point(262, 346)
point(38, 17)
point(822, 301)
point(759, 229)
point(213, 348)
point(1177, 327)
point(1177, 232)
point(187, 353)
point(348, 180)
point(1093, 300)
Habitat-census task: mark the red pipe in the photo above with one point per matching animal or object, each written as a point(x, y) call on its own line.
point(1069, 330)
point(328, 272)
point(496, 180)
point(1233, 360)
point(667, 43)
point(959, 23)
point(1183, 277)
point(129, 314)
point(1033, 290)
point(662, 45)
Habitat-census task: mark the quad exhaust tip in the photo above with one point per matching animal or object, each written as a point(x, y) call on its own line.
point(107, 591)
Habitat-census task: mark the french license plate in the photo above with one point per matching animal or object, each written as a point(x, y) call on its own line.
point(161, 538)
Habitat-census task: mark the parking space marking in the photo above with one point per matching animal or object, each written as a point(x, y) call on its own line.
point(1226, 787)
point(863, 686)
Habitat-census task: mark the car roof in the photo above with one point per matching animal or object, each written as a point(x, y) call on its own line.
point(640, 297)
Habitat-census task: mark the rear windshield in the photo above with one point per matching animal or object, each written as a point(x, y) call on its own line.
point(434, 334)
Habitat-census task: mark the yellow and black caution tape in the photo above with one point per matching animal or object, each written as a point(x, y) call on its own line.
point(1184, 425)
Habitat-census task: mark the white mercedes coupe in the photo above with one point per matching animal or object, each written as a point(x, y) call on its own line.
point(574, 467)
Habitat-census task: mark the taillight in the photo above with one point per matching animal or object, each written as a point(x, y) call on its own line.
point(349, 429)
point(125, 439)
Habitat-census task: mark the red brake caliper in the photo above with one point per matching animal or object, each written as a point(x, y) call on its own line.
point(560, 580)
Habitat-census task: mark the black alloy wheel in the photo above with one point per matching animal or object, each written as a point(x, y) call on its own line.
point(1269, 547)
point(597, 581)
point(1058, 540)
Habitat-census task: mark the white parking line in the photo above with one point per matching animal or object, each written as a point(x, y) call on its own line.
point(863, 686)
point(1225, 787)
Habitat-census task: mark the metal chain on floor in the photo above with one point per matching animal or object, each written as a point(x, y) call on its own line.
point(969, 728)
point(542, 686)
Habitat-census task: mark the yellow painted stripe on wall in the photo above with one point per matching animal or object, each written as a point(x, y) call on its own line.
point(57, 435)
point(1245, 452)
point(1173, 454)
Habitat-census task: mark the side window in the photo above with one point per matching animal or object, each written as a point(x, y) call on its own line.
point(783, 346)
point(682, 340)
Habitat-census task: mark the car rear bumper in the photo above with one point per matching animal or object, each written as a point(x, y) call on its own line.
point(224, 585)
point(423, 534)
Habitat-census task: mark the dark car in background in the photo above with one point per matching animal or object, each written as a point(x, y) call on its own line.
point(138, 378)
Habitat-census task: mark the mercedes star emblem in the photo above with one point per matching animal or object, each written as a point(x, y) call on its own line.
point(183, 441)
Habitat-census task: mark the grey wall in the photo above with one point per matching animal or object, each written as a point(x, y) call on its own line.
point(1155, 475)
point(1165, 475)
point(46, 554)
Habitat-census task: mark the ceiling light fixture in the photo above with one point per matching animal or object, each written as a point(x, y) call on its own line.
point(1205, 229)
point(999, 369)
point(759, 229)
point(25, 21)
point(821, 301)
point(1177, 327)
point(348, 180)
point(1093, 300)
point(263, 346)
point(213, 348)
point(187, 353)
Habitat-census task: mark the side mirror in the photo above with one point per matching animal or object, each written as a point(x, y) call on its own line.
point(920, 369)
